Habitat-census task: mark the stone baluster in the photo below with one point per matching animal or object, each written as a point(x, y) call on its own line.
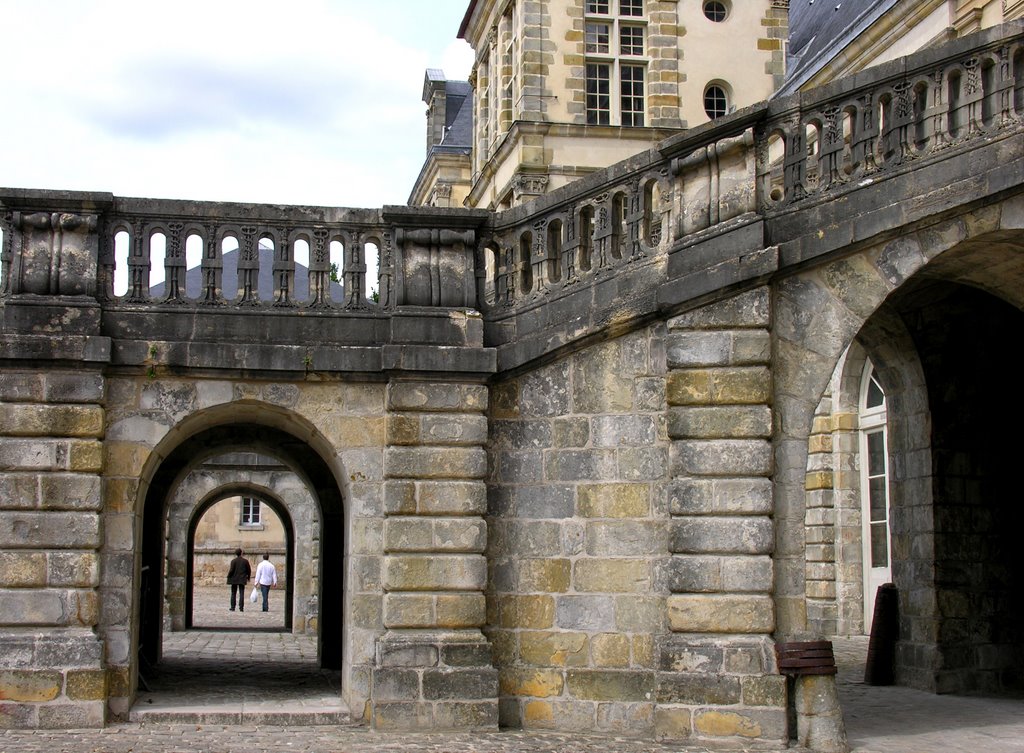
point(138, 265)
point(320, 270)
point(6, 257)
point(720, 609)
point(248, 267)
point(213, 269)
point(174, 264)
point(433, 664)
point(355, 273)
point(284, 271)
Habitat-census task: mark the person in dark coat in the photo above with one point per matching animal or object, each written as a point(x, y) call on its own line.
point(238, 576)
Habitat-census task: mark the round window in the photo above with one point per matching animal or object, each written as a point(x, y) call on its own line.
point(715, 10)
point(716, 101)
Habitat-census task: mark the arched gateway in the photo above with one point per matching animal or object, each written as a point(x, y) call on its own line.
point(586, 462)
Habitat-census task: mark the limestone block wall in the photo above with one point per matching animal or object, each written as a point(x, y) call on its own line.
point(433, 665)
point(579, 538)
point(52, 665)
point(718, 665)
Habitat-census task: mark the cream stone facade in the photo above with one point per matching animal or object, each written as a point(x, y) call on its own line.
point(535, 129)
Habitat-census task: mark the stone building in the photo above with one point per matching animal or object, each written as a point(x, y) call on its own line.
point(583, 463)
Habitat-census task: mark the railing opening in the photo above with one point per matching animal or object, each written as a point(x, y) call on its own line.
point(336, 253)
point(955, 117)
point(193, 260)
point(371, 257)
point(157, 261)
point(554, 270)
point(586, 238)
point(122, 247)
point(300, 253)
point(229, 275)
point(525, 268)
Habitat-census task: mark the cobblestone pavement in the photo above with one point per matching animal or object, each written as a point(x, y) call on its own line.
point(879, 720)
point(211, 609)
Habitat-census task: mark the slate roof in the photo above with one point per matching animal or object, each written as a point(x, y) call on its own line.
point(820, 29)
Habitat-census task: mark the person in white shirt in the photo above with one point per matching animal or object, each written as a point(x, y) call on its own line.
point(266, 577)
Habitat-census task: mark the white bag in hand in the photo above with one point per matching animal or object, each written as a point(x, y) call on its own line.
point(255, 594)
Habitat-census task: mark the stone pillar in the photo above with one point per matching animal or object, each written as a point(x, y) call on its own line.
point(52, 669)
point(433, 666)
point(716, 678)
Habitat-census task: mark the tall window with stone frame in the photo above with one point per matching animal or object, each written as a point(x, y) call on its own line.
point(616, 62)
point(250, 512)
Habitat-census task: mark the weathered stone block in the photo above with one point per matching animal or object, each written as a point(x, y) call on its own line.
point(749, 385)
point(407, 655)
point(28, 420)
point(580, 465)
point(695, 659)
point(451, 498)
point(461, 610)
point(720, 422)
point(626, 537)
point(527, 611)
point(749, 724)
point(610, 650)
point(639, 613)
point(721, 613)
point(613, 500)
point(396, 684)
point(672, 723)
point(698, 689)
point(30, 686)
point(70, 491)
point(728, 535)
point(448, 572)
point(38, 530)
point(697, 496)
point(586, 613)
point(405, 610)
point(435, 463)
point(721, 457)
point(482, 715)
point(408, 396)
point(402, 716)
point(448, 684)
point(543, 575)
point(81, 715)
point(408, 535)
point(767, 690)
point(86, 685)
point(610, 685)
point(612, 575)
point(19, 491)
point(623, 431)
point(537, 683)
point(553, 649)
point(700, 348)
point(22, 570)
point(467, 654)
point(73, 569)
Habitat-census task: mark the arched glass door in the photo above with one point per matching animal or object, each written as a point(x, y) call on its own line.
point(874, 488)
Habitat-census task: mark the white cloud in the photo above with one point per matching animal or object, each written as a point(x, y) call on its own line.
point(317, 101)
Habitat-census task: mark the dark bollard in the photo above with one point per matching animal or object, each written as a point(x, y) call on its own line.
point(885, 627)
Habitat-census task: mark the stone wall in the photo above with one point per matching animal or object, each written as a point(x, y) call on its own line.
point(578, 537)
point(52, 671)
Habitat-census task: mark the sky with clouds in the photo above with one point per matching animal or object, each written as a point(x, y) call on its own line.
point(307, 102)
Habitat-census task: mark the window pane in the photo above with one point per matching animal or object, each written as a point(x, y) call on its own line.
point(632, 91)
point(598, 38)
point(716, 104)
point(631, 40)
point(875, 398)
point(879, 545)
point(714, 10)
point(598, 94)
point(597, 6)
point(879, 513)
point(631, 7)
point(876, 453)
